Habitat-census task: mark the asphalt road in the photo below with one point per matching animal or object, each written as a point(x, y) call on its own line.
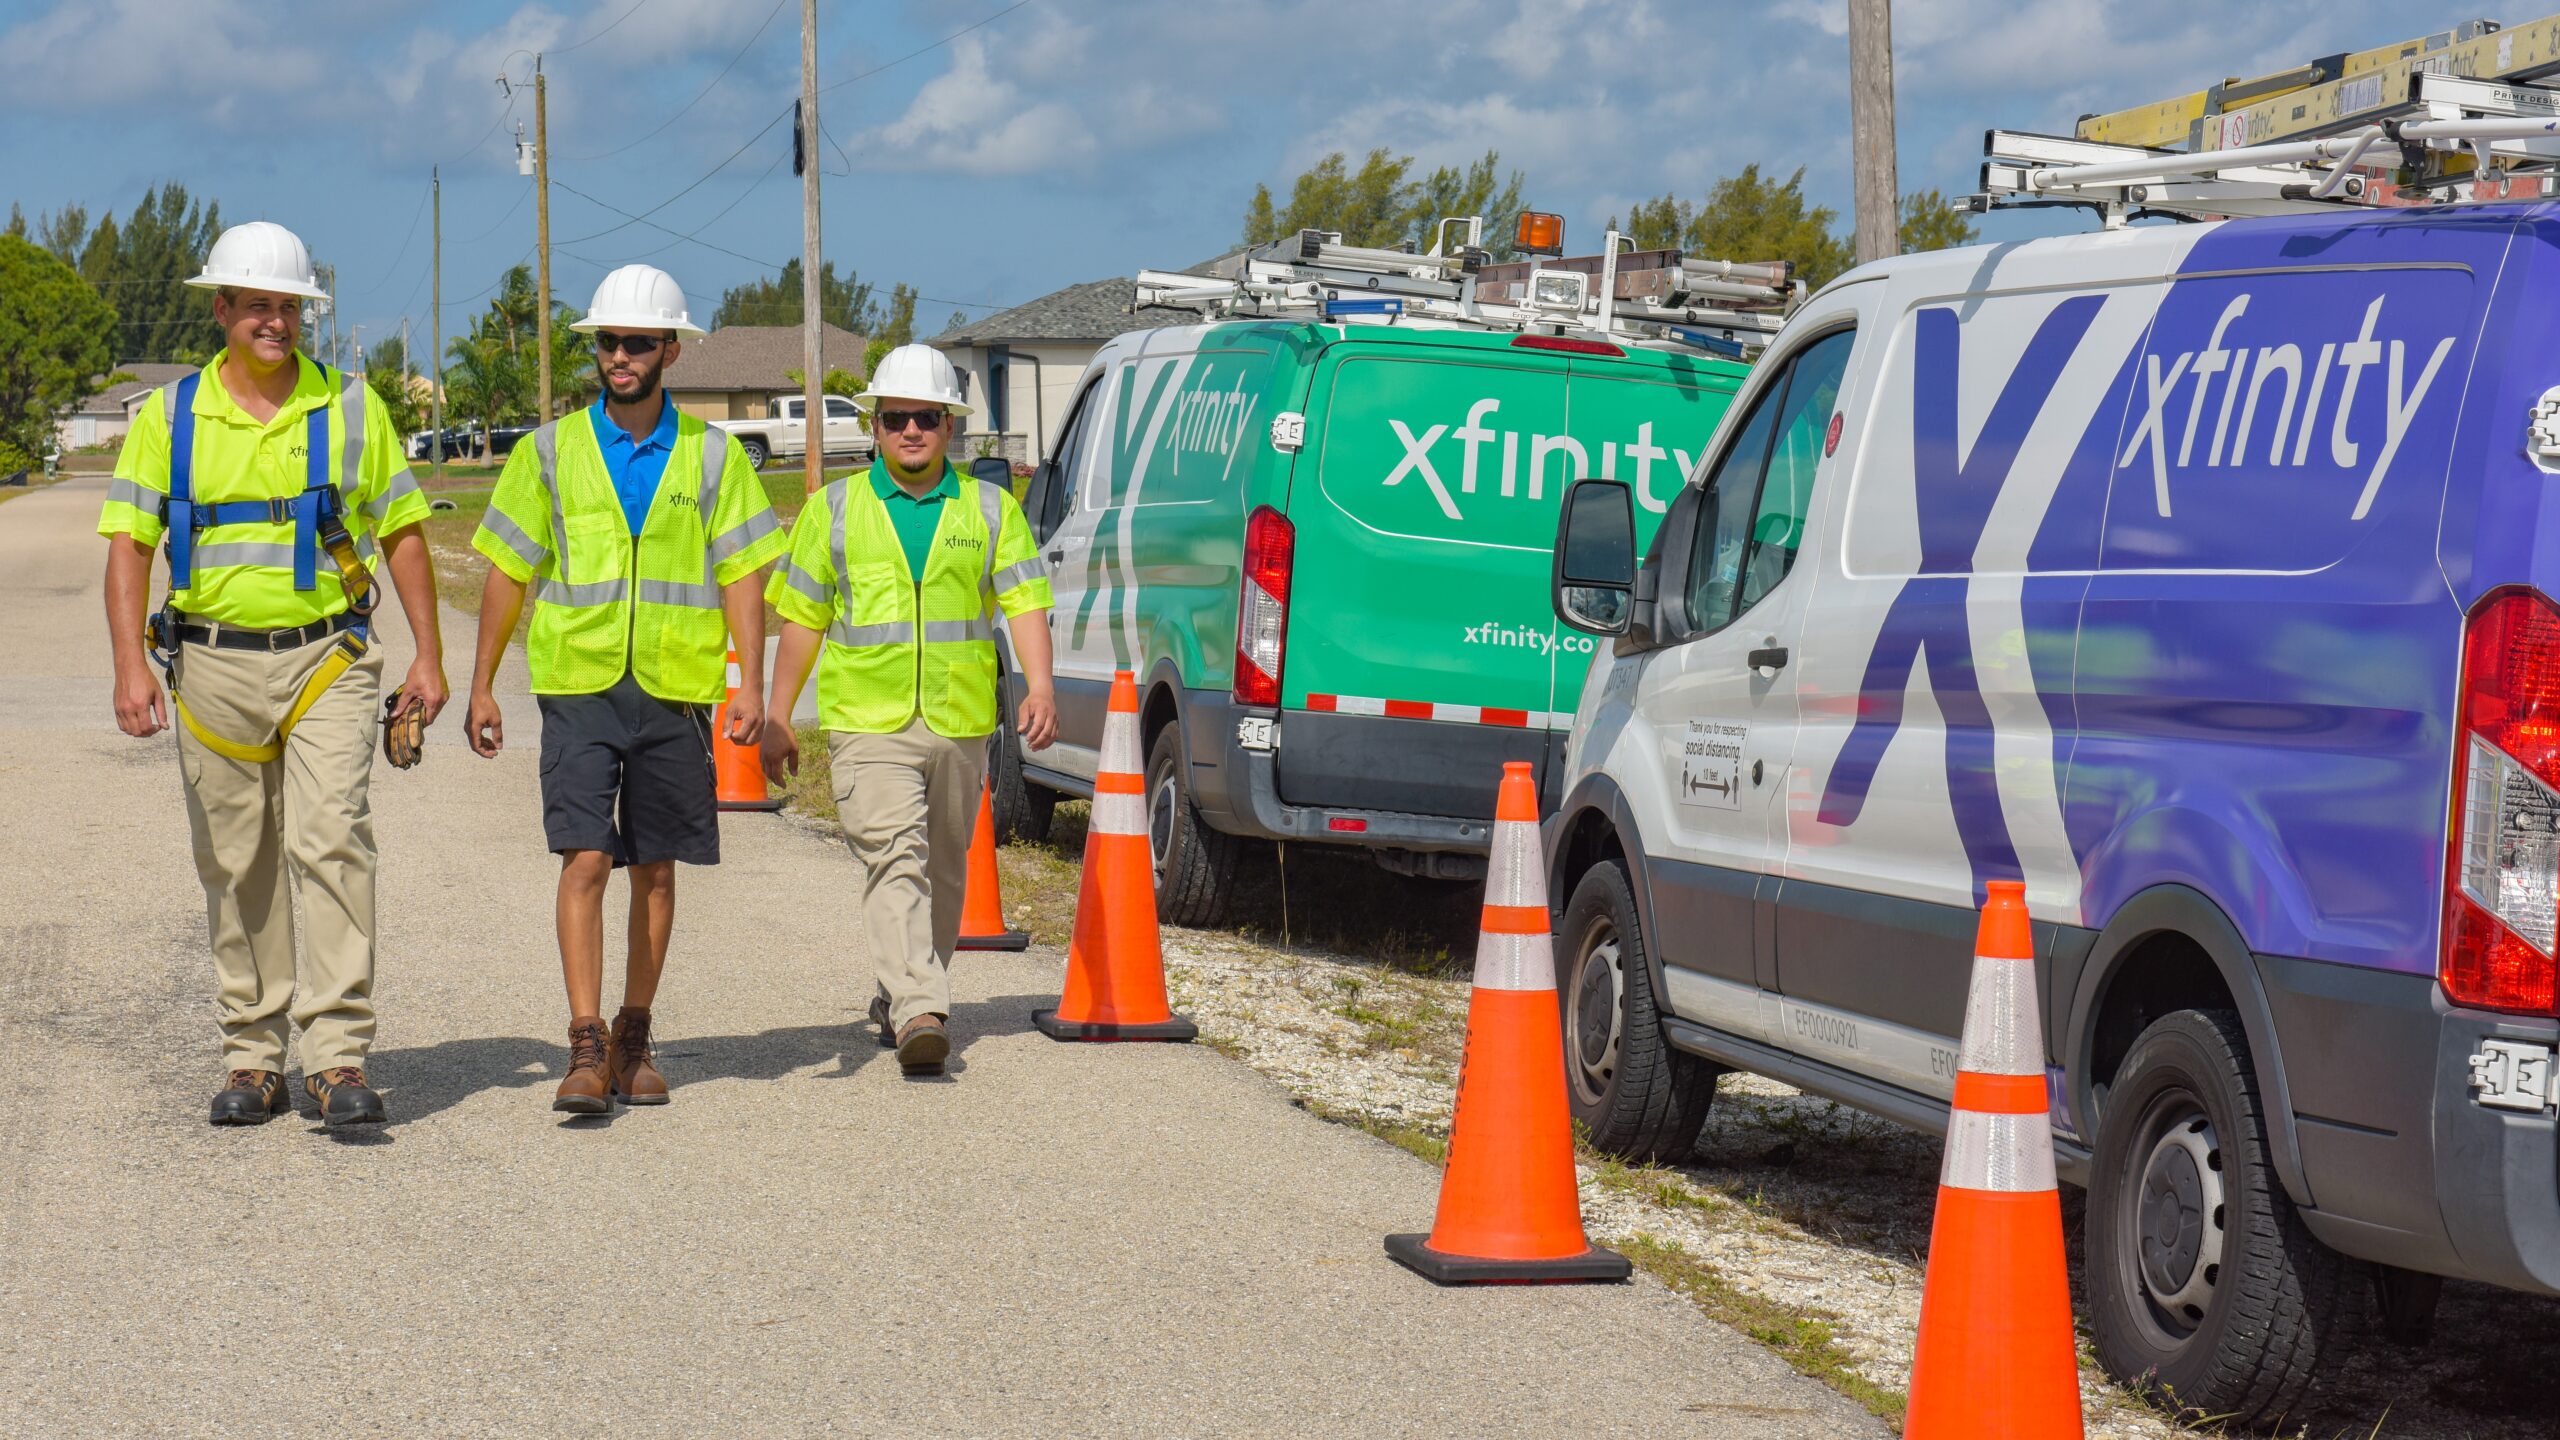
point(1138, 1240)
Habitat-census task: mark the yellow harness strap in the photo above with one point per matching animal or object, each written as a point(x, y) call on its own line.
point(345, 653)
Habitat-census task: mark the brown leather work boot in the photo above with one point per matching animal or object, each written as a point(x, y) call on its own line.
point(249, 1097)
point(634, 1078)
point(588, 1087)
point(923, 1045)
point(344, 1097)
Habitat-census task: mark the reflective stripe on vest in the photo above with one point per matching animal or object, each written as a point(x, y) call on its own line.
point(679, 659)
point(183, 516)
point(889, 669)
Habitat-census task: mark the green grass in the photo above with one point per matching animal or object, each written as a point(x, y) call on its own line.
point(1806, 1339)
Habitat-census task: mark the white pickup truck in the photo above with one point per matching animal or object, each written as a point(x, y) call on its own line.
point(785, 434)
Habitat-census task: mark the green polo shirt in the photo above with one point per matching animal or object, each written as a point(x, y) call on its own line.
point(914, 517)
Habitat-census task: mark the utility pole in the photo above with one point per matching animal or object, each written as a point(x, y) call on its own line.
point(813, 412)
point(542, 238)
point(435, 331)
point(1878, 187)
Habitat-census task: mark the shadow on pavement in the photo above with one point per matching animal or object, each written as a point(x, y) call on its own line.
point(428, 1080)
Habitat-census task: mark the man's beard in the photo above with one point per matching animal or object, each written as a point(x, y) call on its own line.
point(648, 387)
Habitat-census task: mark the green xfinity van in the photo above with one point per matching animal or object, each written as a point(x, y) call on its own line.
point(1323, 547)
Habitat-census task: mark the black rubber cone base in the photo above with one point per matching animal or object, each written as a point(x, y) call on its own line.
point(762, 805)
point(1592, 1266)
point(1009, 940)
point(1177, 1029)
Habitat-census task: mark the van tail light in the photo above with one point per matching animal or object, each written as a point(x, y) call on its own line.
point(1262, 610)
point(2502, 873)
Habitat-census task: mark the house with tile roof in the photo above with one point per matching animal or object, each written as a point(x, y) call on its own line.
point(103, 418)
point(734, 372)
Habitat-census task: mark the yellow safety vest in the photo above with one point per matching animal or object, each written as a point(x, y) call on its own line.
point(901, 645)
point(605, 600)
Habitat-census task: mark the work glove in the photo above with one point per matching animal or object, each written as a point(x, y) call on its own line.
point(404, 732)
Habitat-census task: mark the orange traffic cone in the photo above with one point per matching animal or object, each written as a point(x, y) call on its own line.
point(1510, 1206)
point(1115, 969)
point(738, 769)
point(982, 905)
point(1996, 1359)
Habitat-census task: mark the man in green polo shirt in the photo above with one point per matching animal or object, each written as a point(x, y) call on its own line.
point(900, 574)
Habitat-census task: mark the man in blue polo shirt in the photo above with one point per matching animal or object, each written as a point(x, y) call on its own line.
point(641, 534)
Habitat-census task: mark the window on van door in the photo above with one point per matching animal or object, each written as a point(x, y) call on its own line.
point(1752, 519)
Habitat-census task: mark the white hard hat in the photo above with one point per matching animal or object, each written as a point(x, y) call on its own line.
point(260, 255)
point(915, 372)
point(639, 297)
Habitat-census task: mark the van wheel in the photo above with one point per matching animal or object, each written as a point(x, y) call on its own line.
point(1195, 865)
point(1635, 1095)
point(1023, 810)
point(757, 451)
point(2206, 1292)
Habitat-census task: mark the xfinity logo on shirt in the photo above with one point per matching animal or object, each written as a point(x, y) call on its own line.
point(2300, 403)
point(1569, 459)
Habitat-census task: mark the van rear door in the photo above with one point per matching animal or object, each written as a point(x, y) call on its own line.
point(1420, 639)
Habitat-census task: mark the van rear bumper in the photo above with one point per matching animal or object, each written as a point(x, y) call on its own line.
point(2406, 1172)
point(1238, 790)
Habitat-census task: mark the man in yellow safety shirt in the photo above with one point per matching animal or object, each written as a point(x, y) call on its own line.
point(278, 484)
point(899, 574)
point(641, 531)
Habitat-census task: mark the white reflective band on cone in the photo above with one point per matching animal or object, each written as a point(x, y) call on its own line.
point(1515, 962)
point(2002, 1034)
point(1512, 872)
point(1120, 744)
point(1118, 814)
point(2008, 1153)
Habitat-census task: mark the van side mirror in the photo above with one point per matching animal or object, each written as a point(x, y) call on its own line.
point(1595, 560)
point(993, 470)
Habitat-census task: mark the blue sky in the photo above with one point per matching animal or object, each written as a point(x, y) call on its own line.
point(1064, 141)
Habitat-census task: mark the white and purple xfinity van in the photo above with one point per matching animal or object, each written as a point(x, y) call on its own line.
point(2202, 576)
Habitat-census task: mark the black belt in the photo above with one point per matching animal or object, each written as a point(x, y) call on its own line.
point(273, 642)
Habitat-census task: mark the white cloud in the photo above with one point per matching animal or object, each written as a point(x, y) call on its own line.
point(219, 55)
point(970, 120)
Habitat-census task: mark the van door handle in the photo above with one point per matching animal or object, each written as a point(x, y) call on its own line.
point(1768, 657)
point(1058, 556)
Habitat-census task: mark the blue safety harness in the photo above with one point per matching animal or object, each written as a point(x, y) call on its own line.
point(318, 513)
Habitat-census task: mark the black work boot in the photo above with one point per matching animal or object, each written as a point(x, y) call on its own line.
point(249, 1097)
point(344, 1097)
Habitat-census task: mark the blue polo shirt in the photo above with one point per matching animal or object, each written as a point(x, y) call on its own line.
point(636, 462)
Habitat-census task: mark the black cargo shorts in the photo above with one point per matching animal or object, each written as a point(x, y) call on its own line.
point(629, 774)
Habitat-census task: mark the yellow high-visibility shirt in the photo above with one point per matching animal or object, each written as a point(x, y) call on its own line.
point(237, 581)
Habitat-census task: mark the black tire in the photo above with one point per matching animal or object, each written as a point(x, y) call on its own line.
point(1195, 865)
point(2225, 1321)
point(1634, 1094)
point(1023, 810)
point(757, 450)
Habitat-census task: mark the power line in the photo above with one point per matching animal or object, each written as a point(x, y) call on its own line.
point(928, 49)
point(502, 220)
point(654, 225)
point(643, 216)
point(590, 40)
point(388, 270)
point(485, 134)
point(698, 97)
point(751, 188)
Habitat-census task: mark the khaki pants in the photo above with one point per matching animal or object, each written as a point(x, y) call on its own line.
point(908, 803)
point(309, 810)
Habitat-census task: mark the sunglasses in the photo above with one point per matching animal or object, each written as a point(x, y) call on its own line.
point(635, 346)
point(894, 421)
